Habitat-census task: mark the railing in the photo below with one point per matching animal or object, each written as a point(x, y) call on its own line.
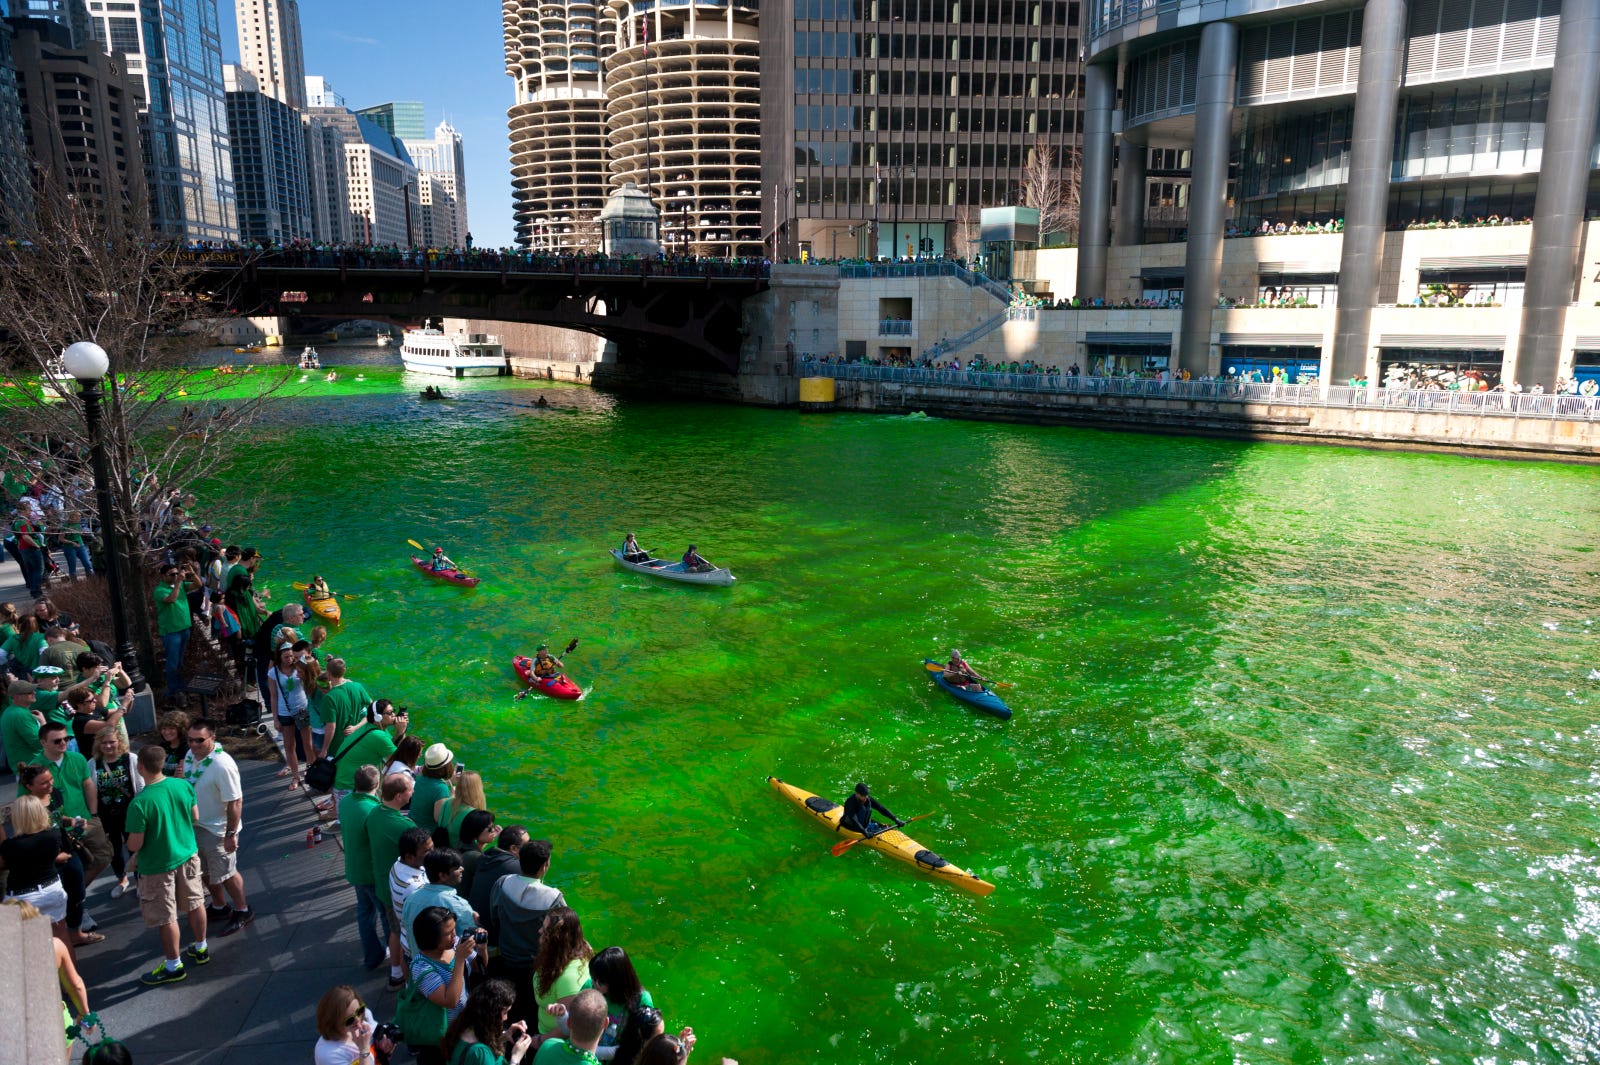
point(1492, 404)
point(978, 332)
point(895, 327)
point(927, 268)
point(483, 262)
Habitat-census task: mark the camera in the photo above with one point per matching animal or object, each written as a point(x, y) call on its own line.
point(385, 1038)
point(480, 935)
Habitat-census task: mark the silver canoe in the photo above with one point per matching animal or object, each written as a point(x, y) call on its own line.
point(674, 571)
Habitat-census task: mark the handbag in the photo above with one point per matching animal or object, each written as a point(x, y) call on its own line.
point(320, 774)
point(421, 1023)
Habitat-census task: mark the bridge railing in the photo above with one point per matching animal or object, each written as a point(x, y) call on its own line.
point(927, 268)
point(1564, 407)
point(481, 262)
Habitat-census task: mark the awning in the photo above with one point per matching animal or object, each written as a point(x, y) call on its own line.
point(1441, 340)
point(1161, 273)
point(1128, 340)
point(1272, 340)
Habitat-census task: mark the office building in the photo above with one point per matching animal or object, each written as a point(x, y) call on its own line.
point(16, 191)
point(319, 92)
point(173, 47)
point(270, 48)
point(443, 195)
point(80, 117)
point(327, 184)
point(402, 118)
point(270, 173)
point(559, 155)
point(380, 179)
point(1402, 154)
point(71, 15)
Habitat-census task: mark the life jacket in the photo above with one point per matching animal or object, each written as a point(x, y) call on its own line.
point(545, 667)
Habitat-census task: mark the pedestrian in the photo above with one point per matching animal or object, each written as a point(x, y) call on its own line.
point(385, 825)
point(517, 909)
point(161, 835)
point(407, 750)
point(290, 703)
point(370, 914)
point(477, 832)
point(116, 782)
point(344, 1028)
point(406, 875)
point(439, 968)
point(341, 708)
point(174, 620)
point(219, 815)
point(498, 861)
point(433, 784)
point(585, 1019)
point(443, 869)
point(562, 967)
point(466, 796)
point(370, 744)
point(28, 855)
point(482, 1034)
point(74, 799)
point(19, 725)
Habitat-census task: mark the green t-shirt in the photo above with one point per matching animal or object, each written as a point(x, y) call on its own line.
point(454, 813)
point(561, 1052)
point(570, 982)
point(69, 777)
point(427, 795)
point(370, 746)
point(174, 616)
point(342, 707)
point(53, 706)
point(385, 826)
point(354, 809)
point(20, 731)
point(25, 650)
point(467, 1053)
point(164, 812)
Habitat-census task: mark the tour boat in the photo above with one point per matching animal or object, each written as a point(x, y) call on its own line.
point(432, 351)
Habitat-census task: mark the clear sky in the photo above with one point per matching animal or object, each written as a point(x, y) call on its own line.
point(451, 56)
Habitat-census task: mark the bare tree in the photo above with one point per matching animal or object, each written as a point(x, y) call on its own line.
point(76, 272)
point(1042, 187)
point(967, 233)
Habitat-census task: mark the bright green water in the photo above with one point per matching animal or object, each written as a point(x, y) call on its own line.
point(1301, 768)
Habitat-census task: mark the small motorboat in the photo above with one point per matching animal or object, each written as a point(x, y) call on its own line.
point(983, 698)
point(556, 687)
point(675, 571)
point(452, 576)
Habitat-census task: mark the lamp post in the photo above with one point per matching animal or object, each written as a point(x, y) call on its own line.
point(405, 192)
point(87, 362)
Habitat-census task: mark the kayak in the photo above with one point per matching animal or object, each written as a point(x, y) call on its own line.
point(454, 576)
point(326, 608)
point(557, 687)
point(983, 699)
point(675, 571)
point(894, 843)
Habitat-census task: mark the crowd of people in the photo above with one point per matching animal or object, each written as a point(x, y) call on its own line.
point(489, 962)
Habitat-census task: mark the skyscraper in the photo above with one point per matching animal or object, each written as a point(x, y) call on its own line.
point(269, 161)
point(444, 195)
point(269, 48)
point(16, 193)
point(380, 178)
point(73, 15)
point(174, 48)
point(403, 118)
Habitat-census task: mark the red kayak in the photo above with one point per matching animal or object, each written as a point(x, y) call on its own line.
point(454, 576)
point(557, 687)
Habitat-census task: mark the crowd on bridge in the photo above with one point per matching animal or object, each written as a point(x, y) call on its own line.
point(488, 960)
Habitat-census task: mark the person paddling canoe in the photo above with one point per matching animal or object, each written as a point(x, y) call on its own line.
point(632, 552)
point(694, 563)
point(545, 665)
point(858, 810)
point(441, 561)
point(957, 672)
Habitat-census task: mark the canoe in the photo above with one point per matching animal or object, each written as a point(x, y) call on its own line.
point(674, 571)
point(894, 843)
point(326, 608)
point(557, 687)
point(454, 576)
point(984, 700)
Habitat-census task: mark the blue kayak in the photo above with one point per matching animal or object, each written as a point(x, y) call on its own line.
point(984, 699)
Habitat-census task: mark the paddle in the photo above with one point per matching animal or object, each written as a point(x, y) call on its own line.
point(839, 848)
point(935, 667)
point(565, 652)
point(424, 550)
point(302, 586)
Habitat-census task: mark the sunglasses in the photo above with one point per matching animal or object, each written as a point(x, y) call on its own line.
point(357, 1017)
point(56, 739)
point(195, 741)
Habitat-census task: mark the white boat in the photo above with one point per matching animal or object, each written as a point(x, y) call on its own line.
point(384, 340)
point(433, 351)
point(309, 359)
point(675, 571)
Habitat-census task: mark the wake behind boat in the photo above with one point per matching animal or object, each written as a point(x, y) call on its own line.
point(675, 571)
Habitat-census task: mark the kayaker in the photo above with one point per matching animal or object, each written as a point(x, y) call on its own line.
point(957, 672)
point(441, 561)
point(319, 589)
point(858, 813)
point(694, 563)
point(632, 552)
point(542, 402)
point(545, 665)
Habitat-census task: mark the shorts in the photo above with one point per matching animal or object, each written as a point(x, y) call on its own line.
point(298, 720)
point(163, 896)
point(97, 843)
point(215, 861)
point(50, 900)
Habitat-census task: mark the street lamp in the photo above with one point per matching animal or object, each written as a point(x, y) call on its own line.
point(87, 362)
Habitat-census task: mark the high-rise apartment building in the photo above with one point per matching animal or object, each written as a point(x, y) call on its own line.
point(174, 48)
point(403, 118)
point(270, 48)
point(80, 115)
point(443, 194)
point(270, 175)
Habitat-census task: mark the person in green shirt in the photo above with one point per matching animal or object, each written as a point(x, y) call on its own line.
point(433, 784)
point(70, 771)
point(19, 726)
point(23, 647)
point(48, 698)
point(482, 1033)
point(562, 968)
point(384, 826)
point(342, 706)
point(370, 744)
point(586, 1020)
point(161, 832)
point(173, 619)
point(354, 809)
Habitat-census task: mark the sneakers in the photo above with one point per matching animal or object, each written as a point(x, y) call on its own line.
point(239, 919)
point(396, 983)
point(217, 913)
point(196, 954)
point(163, 975)
point(120, 890)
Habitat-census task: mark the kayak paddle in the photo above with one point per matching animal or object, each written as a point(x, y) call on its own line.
point(934, 667)
point(301, 586)
point(416, 545)
point(839, 848)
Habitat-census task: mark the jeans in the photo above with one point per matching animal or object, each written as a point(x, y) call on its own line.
point(31, 559)
point(173, 644)
point(71, 873)
point(370, 912)
point(76, 555)
point(114, 819)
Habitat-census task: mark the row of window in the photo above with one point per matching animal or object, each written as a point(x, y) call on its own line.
point(934, 119)
point(902, 194)
point(990, 12)
point(988, 84)
point(855, 153)
point(933, 46)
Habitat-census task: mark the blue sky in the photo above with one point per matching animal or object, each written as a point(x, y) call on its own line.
point(448, 55)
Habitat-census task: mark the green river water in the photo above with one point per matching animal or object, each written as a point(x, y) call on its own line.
point(1302, 767)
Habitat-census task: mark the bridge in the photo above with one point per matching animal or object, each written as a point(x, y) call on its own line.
point(671, 313)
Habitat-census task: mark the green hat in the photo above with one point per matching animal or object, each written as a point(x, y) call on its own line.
point(48, 671)
point(541, 647)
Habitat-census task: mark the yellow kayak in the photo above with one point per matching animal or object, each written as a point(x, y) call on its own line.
point(894, 843)
point(326, 608)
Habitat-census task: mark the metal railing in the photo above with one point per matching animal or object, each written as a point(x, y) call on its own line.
point(896, 327)
point(1487, 404)
point(926, 268)
point(1014, 313)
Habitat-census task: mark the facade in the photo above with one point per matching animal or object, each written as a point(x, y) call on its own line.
point(73, 15)
point(80, 117)
point(559, 160)
point(888, 125)
point(380, 179)
point(405, 119)
point(16, 190)
point(319, 92)
point(327, 184)
point(173, 47)
point(270, 172)
point(1422, 153)
point(270, 48)
point(442, 163)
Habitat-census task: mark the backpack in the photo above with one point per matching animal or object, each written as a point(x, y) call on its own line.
point(224, 622)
